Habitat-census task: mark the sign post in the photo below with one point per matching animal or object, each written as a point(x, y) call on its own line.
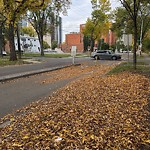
point(73, 53)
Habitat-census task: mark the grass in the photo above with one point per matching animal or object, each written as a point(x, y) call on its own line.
point(142, 68)
point(51, 55)
point(46, 55)
point(6, 62)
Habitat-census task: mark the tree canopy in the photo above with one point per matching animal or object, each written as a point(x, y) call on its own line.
point(14, 9)
point(46, 19)
point(98, 25)
point(134, 9)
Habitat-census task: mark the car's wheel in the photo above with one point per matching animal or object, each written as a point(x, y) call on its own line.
point(114, 58)
point(96, 57)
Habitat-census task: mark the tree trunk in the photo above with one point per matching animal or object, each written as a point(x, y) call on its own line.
point(1, 42)
point(13, 56)
point(92, 44)
point(41, 44)
point(135, 36)
point(18, 40)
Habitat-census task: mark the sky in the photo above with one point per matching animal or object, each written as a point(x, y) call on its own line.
point(78, 13)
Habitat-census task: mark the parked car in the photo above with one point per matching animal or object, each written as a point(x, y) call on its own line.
point(4, 53)
point(105, 54)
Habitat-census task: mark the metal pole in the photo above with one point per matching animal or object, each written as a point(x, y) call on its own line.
point(141, 37)
point(128, 46)
point(73, 60)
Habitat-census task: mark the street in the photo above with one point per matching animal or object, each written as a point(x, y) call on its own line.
point(46, 63)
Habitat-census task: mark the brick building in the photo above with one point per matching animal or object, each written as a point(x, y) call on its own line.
point(110, 38)
point(73, 39)
point(76, 39)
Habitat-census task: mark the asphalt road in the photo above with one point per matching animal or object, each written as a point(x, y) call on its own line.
point(19, 92)
point(46, 63)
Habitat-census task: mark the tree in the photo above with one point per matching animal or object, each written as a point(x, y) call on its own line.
point(13, 9)
point(86, 42)
point(146, 42)
point(41, 20)
point(99, 24)
point(44, 21)
point(2, 22)
point(28, 30)
point(133, 8)
point(121, 18)
point(124, 24)
point(54, 45)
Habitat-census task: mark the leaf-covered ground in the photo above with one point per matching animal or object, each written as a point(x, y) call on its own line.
point(94, 112)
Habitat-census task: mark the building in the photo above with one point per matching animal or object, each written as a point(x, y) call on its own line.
point(110, 38)
point(56, 34)
point(76, 39)
point(73, 39)
point(28, 44)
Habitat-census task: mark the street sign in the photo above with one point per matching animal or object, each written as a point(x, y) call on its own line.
point(73, 53)
point(127, 39)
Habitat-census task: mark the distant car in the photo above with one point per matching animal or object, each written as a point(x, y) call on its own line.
point(105, 54)
point(4, 53)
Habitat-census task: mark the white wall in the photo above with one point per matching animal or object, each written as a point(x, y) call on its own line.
point(28, 44)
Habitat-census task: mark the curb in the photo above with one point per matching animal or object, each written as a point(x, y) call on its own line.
point(30, 73)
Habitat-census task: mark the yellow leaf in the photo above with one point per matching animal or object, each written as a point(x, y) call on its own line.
point(147, 141)
point(16, 145)
point(92, 137)
point(25, 137)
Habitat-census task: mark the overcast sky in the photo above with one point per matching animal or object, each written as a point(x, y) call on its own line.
point(78, 13)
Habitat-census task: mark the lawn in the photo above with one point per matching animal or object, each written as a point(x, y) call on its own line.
point(5, 62)
point(142, 68)
point(52, 55)
point(46, 55)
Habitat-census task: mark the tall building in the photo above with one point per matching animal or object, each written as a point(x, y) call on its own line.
point(56, 34)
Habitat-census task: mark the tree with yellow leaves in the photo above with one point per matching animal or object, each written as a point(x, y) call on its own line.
point(13, 9)
point(98, 25)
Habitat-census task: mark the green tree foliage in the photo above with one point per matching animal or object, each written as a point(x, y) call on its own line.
point(54, 45)
point(124, 23)
point(13, 9)
point(28, 30)
point(98, 25)
point(86, 42)
point(45, 45)
point(121, 19)
point(41, 20)
point(146, 42)
point(134, 9)
point(45, 20)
